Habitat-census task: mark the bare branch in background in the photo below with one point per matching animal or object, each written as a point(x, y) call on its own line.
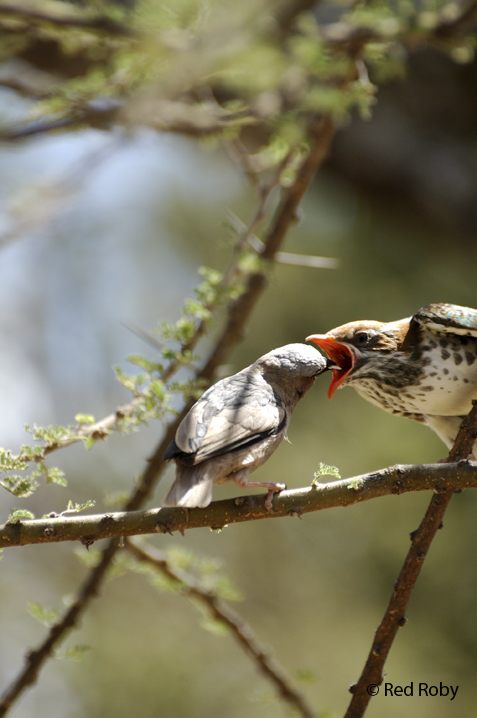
point(239, 629)
point(53, 195)
point(300, 260)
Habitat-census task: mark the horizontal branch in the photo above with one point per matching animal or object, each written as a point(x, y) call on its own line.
point(397, 479)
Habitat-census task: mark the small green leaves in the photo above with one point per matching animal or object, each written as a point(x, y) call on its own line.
point(305, 676)
point(52, 435)
point(213, 625)
point(16, 515)
point(85, 418)
point(72, 508)
point(74, 653)
point(196, 309)
point(47, 616)
point(325, 470)
point(355, 484)
point(19, 486)
point(9, 462)
point(52, 474)
point(131, 383)
point(149, 366)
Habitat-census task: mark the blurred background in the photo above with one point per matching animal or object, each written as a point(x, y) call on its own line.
point(103, 229)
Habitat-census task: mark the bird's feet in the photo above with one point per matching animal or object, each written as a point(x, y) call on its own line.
point(241, 479)
point(269, 499)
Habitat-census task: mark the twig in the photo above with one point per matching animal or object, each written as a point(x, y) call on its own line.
point(306, 260)
point(240, 630)
point(71, 18)
point(465, 21)
point(321, 133)
point(246, 231)
point(35, 659)
point(52, 197)
point(297, 502)
point(394, 616)
point(301, 260)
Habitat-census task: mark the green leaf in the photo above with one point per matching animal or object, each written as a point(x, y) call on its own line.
point(90, 442)
point(355, 484)
point(306, 676)
point(52, 435)
point(76, 508)
point(9, 463)
point(55, 476)
point(325, 470)
point(144, 363)
point(85, 418)
point(158, 388)
point(215, 626)
point(74, 653)
point(19, 486)
point(16, 515)
point(47, 616)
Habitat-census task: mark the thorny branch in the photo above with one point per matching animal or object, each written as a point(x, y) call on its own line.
point(321, 132)
point(398, 479)
point(394, 616)
point(240, 630)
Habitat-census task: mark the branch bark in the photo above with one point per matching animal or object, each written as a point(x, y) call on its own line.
point(400, 479)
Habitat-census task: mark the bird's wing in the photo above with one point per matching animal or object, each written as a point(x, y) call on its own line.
point(234, 413)
point(448, 318)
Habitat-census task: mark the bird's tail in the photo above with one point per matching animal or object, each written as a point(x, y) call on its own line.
point(192, 488)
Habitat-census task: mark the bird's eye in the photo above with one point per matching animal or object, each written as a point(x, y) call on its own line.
point(361, 337)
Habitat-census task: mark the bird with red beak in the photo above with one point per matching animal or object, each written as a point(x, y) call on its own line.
point(423, 367)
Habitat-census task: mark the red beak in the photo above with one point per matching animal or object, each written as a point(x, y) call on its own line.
point(339, 353)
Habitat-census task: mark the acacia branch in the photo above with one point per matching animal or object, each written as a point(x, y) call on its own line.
point(394, 616)
point(399, 479)
point(239, 629)
point(321, 132)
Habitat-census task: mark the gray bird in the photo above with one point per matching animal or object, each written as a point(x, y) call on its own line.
point(238, 423)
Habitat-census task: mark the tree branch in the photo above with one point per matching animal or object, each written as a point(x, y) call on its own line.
point(239, 629)
point(68, 15)
point(400, 479)
point(394, 616)
point(321, 133)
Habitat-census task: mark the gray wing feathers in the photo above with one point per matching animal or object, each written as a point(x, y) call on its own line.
point(229, 415)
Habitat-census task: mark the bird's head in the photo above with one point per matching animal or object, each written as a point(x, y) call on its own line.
point(352, 345)
point(292, 369)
